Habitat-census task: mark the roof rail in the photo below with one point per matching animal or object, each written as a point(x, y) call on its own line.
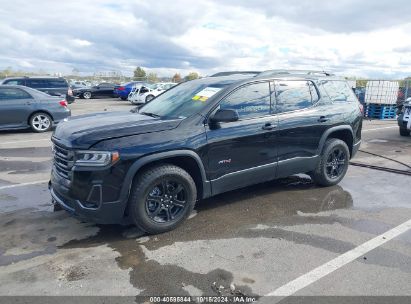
point(298, 72)
point(228, 73)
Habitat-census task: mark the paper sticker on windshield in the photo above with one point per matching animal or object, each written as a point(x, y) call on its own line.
point(206, 93)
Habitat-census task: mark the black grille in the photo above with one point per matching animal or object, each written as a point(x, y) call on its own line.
point(63, 161)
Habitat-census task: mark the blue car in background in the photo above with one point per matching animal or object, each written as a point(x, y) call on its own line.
point(123, 90)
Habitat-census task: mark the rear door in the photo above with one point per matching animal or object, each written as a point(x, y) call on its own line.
point(302, 121)
point(15, 107)
point(243, 152)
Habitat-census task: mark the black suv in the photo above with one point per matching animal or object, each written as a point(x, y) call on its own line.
point(54, 86)
point(201, 138)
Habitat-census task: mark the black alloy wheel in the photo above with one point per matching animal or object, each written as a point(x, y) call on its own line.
point(335, 163)
point(161, 198)
point(166, 201)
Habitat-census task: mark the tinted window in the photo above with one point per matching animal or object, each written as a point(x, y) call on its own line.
point(338, 91)
point(6, 94)
point(294, 95)
point(57, 83)
point(14, 82)
point(106, 85)
point(46, 83)
point(143, 90)
point(249, 101)
point(37, 83)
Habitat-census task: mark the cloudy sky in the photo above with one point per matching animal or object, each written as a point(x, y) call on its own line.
point(349, 37)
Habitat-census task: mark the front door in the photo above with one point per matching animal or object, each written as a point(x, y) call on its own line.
point(243, 152)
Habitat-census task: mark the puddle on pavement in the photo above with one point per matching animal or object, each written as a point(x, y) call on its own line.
point(24, 167)
point(226, 216)
point(26, 152)
point(286, 202)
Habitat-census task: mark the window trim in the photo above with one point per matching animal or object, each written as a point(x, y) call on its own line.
point(313, 104)
point(213, 109)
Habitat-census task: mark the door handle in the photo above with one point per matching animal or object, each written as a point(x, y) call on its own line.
point(323, 119)
point(268, 126)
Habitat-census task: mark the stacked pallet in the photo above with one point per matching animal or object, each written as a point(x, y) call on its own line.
point(380, 111)
point(381, 98)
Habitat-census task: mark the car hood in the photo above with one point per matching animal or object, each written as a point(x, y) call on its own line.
point(83, 131)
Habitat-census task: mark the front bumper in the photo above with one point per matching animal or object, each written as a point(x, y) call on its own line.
point(106, 213)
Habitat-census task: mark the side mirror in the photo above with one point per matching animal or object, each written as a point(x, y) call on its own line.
point(224, 115)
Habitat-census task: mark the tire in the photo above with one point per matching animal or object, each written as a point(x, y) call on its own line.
point(41, 122)
point(333, 164)
point(86, 95)
point(155, 210)
point(123, 98)
point(404, 132)
point(149, 98)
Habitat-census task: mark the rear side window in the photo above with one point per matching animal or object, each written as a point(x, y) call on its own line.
point(338, 91)
point(36, 83)
point(57, 83)
point(47, 83)
point(294, 95)
point(14, 82)
point(252, 100)
point(13, 94)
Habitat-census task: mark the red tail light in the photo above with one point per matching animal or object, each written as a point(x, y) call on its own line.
point(63, 103)
point(121, 88)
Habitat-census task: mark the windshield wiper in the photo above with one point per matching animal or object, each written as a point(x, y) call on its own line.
point(150, 114)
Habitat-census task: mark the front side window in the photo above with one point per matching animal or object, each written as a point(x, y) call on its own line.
point(252, 100)
point(338, 91)
point(294, 95)
point(13, 94)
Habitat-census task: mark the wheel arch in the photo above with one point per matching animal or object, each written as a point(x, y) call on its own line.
point(185, 159)
point(345, 133)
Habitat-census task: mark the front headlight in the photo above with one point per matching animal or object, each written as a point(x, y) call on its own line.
point(96, 158)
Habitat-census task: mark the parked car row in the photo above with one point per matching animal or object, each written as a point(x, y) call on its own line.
point(143, 93)
point(128, 91)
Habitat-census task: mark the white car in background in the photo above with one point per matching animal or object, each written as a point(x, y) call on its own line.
point(141, 94)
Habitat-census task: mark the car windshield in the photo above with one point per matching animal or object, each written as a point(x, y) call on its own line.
point(183, 100)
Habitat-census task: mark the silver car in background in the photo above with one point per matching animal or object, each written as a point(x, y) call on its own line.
point(22, 107)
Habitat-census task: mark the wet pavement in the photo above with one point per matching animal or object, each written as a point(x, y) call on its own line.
point(255, 239)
